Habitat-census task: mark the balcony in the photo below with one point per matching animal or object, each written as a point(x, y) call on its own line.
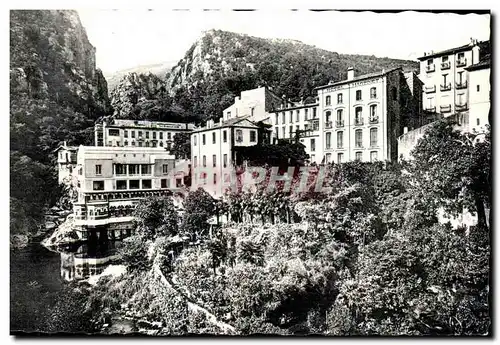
point(430, 109)
point(430, 89)
point(461, 107)
point(328, 124)
point(430, 68)
point(461, 62)
point(445, 108)
point(374, 119)
point(445, 65)
point(339, 123)
point(446, 87)
point(462, 85)
point(358, 122)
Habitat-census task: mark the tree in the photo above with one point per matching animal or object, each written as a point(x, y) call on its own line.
point(156, 217)
point(181, 147)
point(199, 207)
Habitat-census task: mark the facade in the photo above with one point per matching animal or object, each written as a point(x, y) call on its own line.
point(213, 154)
point(66, 162)
point(111, 182)
point(445, 78)
point(134, 133)
point(479, 95)
point(361, 118)
point(255, 105)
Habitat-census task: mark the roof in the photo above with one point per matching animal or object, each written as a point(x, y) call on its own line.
point(225, 124)
point(149, 124)
point(310, 105)
point(66, 147)
point(480, 65)
point(361, 77)
point(446, 52)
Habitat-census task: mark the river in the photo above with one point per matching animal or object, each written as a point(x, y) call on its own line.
point(38, 278)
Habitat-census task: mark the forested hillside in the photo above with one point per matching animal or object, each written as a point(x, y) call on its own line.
point(56, 93)
point(221, 64)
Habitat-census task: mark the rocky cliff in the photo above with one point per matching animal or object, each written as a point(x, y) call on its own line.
point(56, 93)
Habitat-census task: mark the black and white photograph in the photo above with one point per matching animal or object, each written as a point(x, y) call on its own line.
point(232, 173)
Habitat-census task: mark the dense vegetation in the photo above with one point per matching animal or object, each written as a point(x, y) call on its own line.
point(365, 256)
point(55, 94)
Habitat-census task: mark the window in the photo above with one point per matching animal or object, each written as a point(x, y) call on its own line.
point(459, 77)
point(178, 182)
point(358, 95)
point(98, 169)
point(146, 184)
point(147, 144)
point(154, 144)
point(477, 88)
point(359, 156)
point(373, 112)
point(328, 100)
point(373, 137)
point(145, 169)
point(328, 115)
point(328, 158)
point(133, 143)
point(444, 79)
point(358, 138)
point(114, 132)
point(195, 140)
point(140, 144)
point(306, 126)
point(340, 116)
point(253, 136)
point(251, 111)
point(203, 141)
point(213, 138)
point(297, 116)
point(140, 134)
point(214, 160)
point(125, 134)
point(461, 56)
point(276, 129)
point(204, 161)
point(328, 140)
point(291, 116)
point(340, 158)
point(297, 128)
point(154, 135)
point(161, 143)
point(228, 114)
point(195, 161)
point(373, 156)
point(340, 140)
point(339, 98)
point(120, 169)
point(133, 169)
point(121, 184)
point(132, 134)
point(215, 175)
point(161, 135)
point(306, 111)
point(283, 120)
point(98, 185)
point(373, 92)
point(276, 118)
point(477, 122)
point(239, 135)
point(133, 184)
point(225, 160)
point(283, 130)
point(165, 168)
point(147, 134)
point(430, 62)
point(313, 145)
point(359, 115)
point(224, 136)
point(314, 113)
point(169, 136)
point(444, 59)
point(291, 131)
point(164, 183)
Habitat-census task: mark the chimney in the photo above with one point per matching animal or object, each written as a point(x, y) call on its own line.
point(405, 130)
point(220, 121)
point(350, 73)
point(475, 54)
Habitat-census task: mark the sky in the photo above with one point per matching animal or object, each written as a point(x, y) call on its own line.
point(128, 38)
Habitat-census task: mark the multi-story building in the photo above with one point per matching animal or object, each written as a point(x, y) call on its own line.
point(112, 181)
point(360, 118)
point(255, 104)
point(479, 95)
point(296, 120)
point(120, 132)
point(445, 79)
point(66, 162)
point(214, 154)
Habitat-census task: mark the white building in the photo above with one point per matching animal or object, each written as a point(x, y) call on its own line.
point(66, 162)
point(479, 95)
point(255, 105)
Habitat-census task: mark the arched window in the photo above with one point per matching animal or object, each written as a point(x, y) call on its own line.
point(358, 135)
point(328, 100)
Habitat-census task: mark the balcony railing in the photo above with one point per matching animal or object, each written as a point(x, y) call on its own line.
point(461, 62)
point(374, 119)
point(445, 108)
point(328, 124)
point(358, 122)
point(461, 107)
point(430, 109)
point(462, 85)
point(430, 68)
point(430, 89)
point(339, 123)
point(445, 65)
point(446, 87)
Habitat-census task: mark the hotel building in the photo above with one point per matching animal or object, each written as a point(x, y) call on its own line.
point(445, 78)
point(110, 183)
point(135, 133)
